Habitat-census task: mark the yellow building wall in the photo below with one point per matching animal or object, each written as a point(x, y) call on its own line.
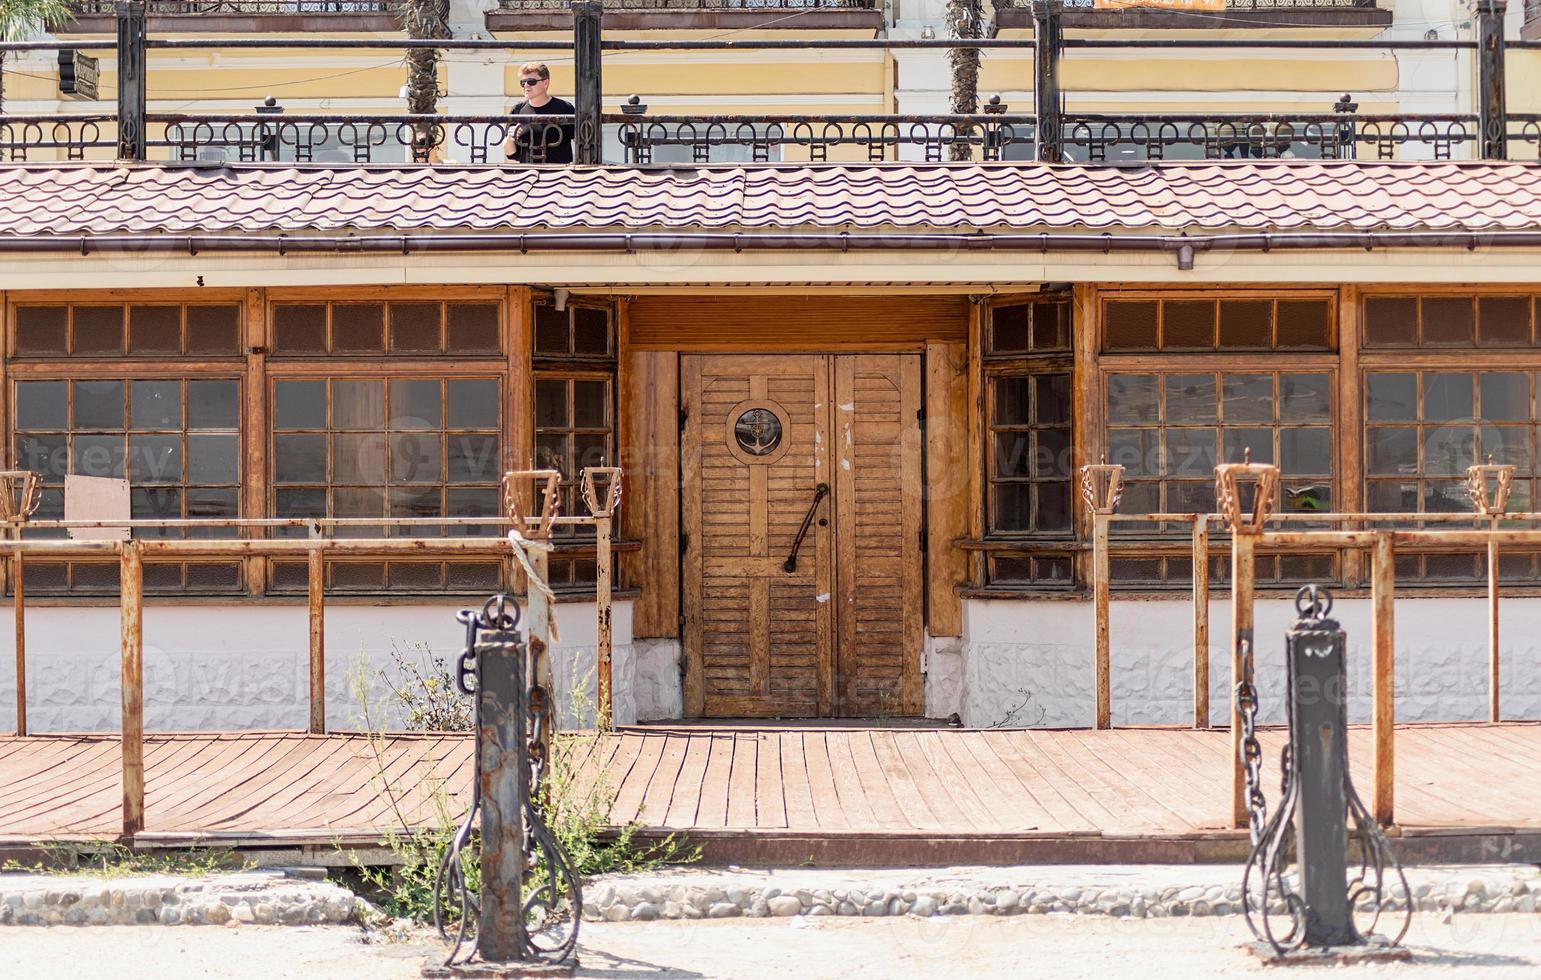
point(1082, 71)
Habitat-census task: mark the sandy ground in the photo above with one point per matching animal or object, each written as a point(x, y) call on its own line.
point(1483, 947)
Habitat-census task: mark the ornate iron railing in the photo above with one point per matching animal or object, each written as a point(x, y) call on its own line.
point(1113, 5)
point(239, 8)
point(685, 5)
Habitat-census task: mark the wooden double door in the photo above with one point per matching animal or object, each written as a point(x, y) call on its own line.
point(802, 516)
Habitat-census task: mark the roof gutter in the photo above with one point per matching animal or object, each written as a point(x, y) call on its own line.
point(1183, 246)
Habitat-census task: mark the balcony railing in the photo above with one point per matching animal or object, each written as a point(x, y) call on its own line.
point(691, 5)
point(239, 8)
point(1238, 14)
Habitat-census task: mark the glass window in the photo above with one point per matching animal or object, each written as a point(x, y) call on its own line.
point(1132, 326)
point(364, 329)
point(1461, 321)
point(112, 331)
point(1030, 466)
point(575, 333)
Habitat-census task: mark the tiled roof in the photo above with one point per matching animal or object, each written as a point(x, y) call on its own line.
point(1208, 196)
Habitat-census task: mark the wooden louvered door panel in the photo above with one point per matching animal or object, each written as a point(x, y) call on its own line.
point(840, 634)
point(758, 639)
point(879, 567)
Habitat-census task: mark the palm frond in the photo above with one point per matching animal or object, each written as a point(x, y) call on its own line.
point(21, 19)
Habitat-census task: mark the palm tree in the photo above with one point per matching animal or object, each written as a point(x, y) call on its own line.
point(21, 19)
point(423, 20)
point(968, 19)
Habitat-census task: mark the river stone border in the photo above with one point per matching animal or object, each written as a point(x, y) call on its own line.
point(256, 897)
point(619, 899)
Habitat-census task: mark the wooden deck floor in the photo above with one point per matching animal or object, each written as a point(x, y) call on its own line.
point(788, 784)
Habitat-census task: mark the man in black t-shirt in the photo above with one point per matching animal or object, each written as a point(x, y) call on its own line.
point(536, 141)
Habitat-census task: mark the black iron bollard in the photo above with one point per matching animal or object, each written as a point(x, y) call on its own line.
point(1318, 805)
point(530, 904)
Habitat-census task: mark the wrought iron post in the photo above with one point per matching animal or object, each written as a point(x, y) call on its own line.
point(588, 92)
point(1492, 116)
point(131, 80)
point(1047, 38)
point(530, 904)
point(1317, 910)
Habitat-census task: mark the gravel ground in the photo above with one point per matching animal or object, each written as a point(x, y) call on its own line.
point(1484, 947)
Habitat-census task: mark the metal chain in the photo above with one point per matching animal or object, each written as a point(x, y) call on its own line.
point(1251, 748)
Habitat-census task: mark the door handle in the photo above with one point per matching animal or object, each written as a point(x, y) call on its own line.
point(790, 565)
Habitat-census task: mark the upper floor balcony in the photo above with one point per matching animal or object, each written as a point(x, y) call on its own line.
point(1236, 15)
point(626, 15)
point(243, 16)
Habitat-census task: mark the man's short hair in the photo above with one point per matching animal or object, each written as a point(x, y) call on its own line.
point(535, 68)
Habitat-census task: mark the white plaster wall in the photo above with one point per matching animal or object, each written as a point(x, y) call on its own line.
point(656, 688)
point(245, 667)
point(1030, 662)
point(944, 676)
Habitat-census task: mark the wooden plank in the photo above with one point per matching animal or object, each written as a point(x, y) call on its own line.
point(1383, 677)
point(821, 781)
point(797, 791)
point(911, 577)
point(255, 429)
point(1022, 809)
point(1045, 785)
point(947, 485)
point(131, 626)
point(1348, 487)
point(650, 387)
point(685, 800)
point(712, 810)
point(770, 803)
point(930, 749)
point(1243, 569)
point(1158, 783)
point(519, 415)
point(741, 780)
point(913, 803)
point(660, 788)
point(1087, 784)
point(1201, 621)
point(977, 440)
point(634, 786)
point(315, 565)
point(848, 784)
point(1086, 424)
point(1102, 672)
point(877, 791)
point(693, 680)
point(764, 324)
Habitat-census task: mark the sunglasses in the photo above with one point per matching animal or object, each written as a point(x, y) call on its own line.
point(530, 82)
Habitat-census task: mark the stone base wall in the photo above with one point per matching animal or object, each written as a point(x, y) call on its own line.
point(235, 667)
point(1030, 662)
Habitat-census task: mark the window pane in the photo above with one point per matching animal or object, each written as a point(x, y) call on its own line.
point(473, 327)
point(1132, 398)
point(415, 404)
point(1051, 326)
point(1503, 321)
point(213, 404)
point(42, 405)
point(1508, 444)
point(1051, 399)
point(98, 330)
point(1446, 397)
point(299, 405)
point(1305, 449)
point(473, 459)
point(358, 458)
point(358, 404)
point(591, 331)
point(551, 452)
point(1188, 325)
point(1304, 325)
point(155, 405)
point(1190, 398)
point(1448, 450)
point(213, 330)
point(1051, 455)
point(1009, 328)
point(415, 502)
point(1391, 451)
point(155, 329)
point(1013, 401)
point(47, 455)
point(1011, 508)
point(551, 330)
point(154, 503)
point(97, 456)
point(213, 459)
point(472, 403)
point(415, 327)
point(1305, 397)
point(299, 329)
point(98, 404)
point(1449, 322)
point(589, 450)
point(591, 408)
point(1191, 496)
point(1246, 323)
point(206, 503)
point(301, 503)
point(358, 328)
point(1013, 454)
point(1242, 445)
point(1190, 452)
point(1393, 496)
point(1307, 496)
point(358, 502)
point(1131, 326)
point(1136, 450)
point(155, 459)
point(415, 458)
point(551, 404)
point(1391, 322)
point(1248, 398)
point(41, 329)
point(299, 459)
point(466, 502)
point(1505, 396)
point(1053, 506)
point(1392, 397)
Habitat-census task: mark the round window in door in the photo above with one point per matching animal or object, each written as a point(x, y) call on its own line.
point(757, 431)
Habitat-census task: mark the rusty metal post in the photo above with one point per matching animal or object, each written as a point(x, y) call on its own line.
point(131, 624)
point(601, 490)
point(1383, 677)
point(316, 594)
point(588, 90)
point(1201, 621)
point(1049, 125)
point(502, 715)
point(1492, 116)
point(131, 80)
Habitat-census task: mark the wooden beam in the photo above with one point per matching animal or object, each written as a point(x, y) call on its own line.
point(1383, 678)
point(131, 626)
point(255, 431)
point(1349, 486)
point(519, 401)
point(1103, 659)
point(316, 595)
point(976, 439)
point(1243, 567)
point(19, 600)
point(1201, 621)
point(948, 499)
point(649, 452)
point(1495, 708)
